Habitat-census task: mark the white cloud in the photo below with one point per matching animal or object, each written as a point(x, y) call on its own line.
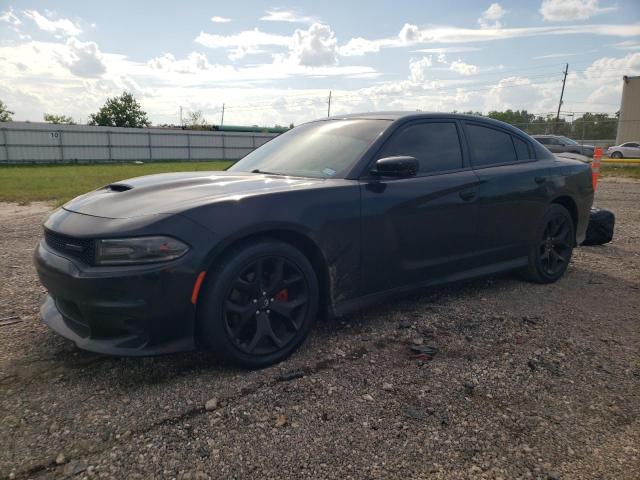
point(194, 63)
point(242, 43)
point(463, 68)
point(572, 10)
point(491, 17)
point(9, 17)
point(84, 58)
point(627, 65)
point(555, 55)
point(418, 69)
point(411, 35)
point(314, 47)
point(628, 45)
point(518, 93)
point(216, 19)
point(443, 50)
point(62, 26)
point(358, 46)
point(289, 16)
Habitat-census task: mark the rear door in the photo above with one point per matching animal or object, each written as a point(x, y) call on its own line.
point(422, 228)
point(631, 150)
point(512, 194)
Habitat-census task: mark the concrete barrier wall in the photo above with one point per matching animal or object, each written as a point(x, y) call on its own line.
point(22, 142)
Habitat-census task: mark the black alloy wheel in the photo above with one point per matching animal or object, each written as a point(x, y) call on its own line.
point(551, 250)
point(257, 304)
point(555, 247)
point(266, 306)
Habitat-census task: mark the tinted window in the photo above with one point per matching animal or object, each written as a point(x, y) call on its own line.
point(435, 145)
point(490, 146)
point(543, 140)
point(522, 148)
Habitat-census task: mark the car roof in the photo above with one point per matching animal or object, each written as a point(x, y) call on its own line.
point(546, 135)
point(397, 116)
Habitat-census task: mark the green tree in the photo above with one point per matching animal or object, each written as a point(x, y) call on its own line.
point(595, 126)
point(58, 119)
point(122, 111)
point(5, 113)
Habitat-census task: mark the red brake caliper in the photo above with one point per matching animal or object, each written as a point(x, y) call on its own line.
point(282, 295)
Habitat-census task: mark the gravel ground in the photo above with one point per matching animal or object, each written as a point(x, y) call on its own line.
point(529, 381)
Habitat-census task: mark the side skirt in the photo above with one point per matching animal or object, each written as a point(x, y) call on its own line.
point(350, 306)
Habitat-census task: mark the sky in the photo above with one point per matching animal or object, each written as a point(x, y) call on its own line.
point(272, 62)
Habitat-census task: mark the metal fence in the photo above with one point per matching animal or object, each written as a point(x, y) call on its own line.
point(22, 142)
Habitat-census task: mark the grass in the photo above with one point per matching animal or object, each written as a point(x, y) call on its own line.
point(59, 183)
point(620, 170)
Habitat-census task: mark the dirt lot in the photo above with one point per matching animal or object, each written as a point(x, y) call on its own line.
point(530, 381)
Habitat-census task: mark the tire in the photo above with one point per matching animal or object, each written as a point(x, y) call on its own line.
point(552, 247)
point(616, 155)
point(600, 227)
point(254, 319)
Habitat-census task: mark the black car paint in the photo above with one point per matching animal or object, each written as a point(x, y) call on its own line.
point(368, 236)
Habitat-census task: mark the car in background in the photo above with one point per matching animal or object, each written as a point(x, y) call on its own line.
point(560, 144)
point(626, 150)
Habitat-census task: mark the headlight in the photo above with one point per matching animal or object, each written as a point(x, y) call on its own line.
point(119, 251)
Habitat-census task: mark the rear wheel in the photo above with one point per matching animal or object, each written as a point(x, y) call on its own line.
point(616, 155)
point(259, 304)
point(552, 248)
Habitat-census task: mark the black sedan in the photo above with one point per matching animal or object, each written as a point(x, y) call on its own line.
point(322, 220)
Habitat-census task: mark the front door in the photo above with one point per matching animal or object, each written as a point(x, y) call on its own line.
point(419, 229)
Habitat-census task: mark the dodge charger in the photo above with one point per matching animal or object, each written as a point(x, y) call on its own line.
point(324, 219)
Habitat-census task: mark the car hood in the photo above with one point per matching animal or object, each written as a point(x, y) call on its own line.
point(175, 192)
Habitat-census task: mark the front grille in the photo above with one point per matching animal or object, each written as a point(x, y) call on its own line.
point(82, 249)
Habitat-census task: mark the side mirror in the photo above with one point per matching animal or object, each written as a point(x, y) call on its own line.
point(402, 166)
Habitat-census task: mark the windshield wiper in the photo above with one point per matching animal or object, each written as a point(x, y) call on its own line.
point(257, 170)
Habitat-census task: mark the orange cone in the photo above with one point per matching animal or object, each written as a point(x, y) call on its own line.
point(595, 166)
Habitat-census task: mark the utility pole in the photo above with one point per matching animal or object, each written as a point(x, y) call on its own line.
point(329, 107)
point(222, 119)
point(181, 123)
point(564, 80)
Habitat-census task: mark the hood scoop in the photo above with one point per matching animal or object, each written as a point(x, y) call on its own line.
point(118, 187)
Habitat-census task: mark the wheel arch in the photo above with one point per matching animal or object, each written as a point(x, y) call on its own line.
point(299, 240)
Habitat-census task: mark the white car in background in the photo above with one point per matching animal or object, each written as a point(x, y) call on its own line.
point(626, 150)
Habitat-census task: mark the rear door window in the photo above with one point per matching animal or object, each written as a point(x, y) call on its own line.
point(522, 148)
point(435, 145)
point(490, 146)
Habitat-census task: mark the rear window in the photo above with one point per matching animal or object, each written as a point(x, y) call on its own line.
point(522, 148)
point(490, 146)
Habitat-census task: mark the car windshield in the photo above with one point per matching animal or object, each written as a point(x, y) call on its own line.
point(325, 149)
point(568, 141)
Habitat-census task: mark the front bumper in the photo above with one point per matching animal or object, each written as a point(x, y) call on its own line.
point(143, 310)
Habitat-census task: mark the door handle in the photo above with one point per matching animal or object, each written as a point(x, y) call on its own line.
point(540, 180)
point(467, 195)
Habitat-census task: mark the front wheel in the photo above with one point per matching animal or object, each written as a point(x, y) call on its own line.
point(616, 155)
point(551, 250)
point(258, 305)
